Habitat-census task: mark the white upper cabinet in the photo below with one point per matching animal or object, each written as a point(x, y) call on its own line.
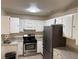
point(21, 27)
point(50, 22)
point(39, 25)
point(5, 28)
point(29, 24)
point(14, 25)
point(59, 20)
point(67, 26)
point(75, 27)
point(33, 25)
point(70, 25)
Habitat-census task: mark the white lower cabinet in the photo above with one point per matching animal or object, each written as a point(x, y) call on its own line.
point(6, 48)
point(20, 48)
point(39, 46)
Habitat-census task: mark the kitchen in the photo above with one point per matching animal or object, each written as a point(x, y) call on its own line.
point(17, 26)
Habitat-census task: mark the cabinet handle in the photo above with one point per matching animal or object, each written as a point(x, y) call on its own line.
point(74, 26)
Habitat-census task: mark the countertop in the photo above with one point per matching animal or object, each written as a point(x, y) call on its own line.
point(65, 53)
point(13, 41)
point(17, 39)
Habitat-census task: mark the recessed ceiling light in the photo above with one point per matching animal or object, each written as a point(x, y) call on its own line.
point(33, 8)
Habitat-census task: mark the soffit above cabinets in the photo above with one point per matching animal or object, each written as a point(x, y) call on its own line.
point(47, 6)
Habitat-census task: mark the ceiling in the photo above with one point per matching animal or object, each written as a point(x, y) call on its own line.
point(47, 6)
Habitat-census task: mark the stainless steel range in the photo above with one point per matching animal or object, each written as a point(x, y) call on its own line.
point(29, 45)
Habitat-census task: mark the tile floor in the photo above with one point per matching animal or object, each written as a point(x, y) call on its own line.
point(38, 56)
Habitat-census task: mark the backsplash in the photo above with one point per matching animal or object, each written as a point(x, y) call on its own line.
point(19, 35)
point(71, 43)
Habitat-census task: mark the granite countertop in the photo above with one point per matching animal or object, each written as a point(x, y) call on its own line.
point(12, 43)
point(65, 53)
point(17, 39)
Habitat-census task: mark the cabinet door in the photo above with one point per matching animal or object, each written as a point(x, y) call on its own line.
point(14, 25)
point(5, 29)
point(8, 48)
point(39, 47)
point(34, 25)
point(20, 48)
point(39, 26)
point(59, 20)
point(29, 24)
point(75, 27)
point(21, 27)
point(67, 26)
point(50, 22)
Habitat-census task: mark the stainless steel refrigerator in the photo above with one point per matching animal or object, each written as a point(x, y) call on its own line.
point(52, 38)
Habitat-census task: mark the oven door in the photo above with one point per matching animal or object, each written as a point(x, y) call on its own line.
point(30, 46)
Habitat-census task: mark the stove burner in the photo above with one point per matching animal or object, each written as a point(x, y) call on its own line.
point(30, 39)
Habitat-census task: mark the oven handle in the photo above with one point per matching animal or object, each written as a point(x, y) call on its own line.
point(30, 43)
